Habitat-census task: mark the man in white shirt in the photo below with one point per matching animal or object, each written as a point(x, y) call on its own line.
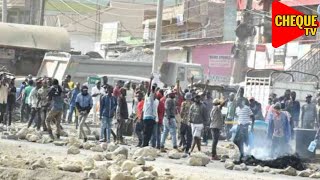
point(34, 103)
point(245, 117)
point(96, 94)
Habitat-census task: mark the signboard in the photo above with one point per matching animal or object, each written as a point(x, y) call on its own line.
point(92, 82)
point(109, 34)
point(216, 60)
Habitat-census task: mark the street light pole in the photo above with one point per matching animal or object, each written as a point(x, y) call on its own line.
point(4, 11)
point(157, 42)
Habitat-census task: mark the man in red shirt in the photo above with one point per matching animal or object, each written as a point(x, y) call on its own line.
point(139, 121)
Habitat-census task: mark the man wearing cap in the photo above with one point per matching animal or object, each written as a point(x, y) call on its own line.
point(279, 131)
point(84, 104)
point(198, 118)
point(244, 116)
point(309, 114)
point(185, 128)
point(122, 115)
point(216, 124)
point(54, 115)
point(96, 93)
point(34, 103)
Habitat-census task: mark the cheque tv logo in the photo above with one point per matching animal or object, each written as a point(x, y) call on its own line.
point(289, 24)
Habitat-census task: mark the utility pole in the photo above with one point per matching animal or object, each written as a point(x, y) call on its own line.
point(240, 61)
point(42, 7)
point(4, 11)
point(157, 42)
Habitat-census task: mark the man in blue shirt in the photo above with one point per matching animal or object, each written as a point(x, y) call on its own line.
point(54, 115)
point(73, 95)
point(108, 106)
point(84, 105)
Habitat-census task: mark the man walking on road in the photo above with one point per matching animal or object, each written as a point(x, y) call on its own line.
point(96, 93)
point(108, 106)
point(34, 100)
point(185, 128)
point(55, 95)
point(169, 121)
point(73, 96)
point(84, 105)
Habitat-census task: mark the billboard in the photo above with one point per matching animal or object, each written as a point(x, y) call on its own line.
point(216, 60)
point(109, 34)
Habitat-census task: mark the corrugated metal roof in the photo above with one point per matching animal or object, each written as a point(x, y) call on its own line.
point(35, 37)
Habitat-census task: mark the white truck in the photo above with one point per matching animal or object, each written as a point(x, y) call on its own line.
point(260, 83)
point(58, 65)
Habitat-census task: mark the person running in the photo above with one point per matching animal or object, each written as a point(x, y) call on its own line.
point(84, 105)
point(54, 115)
point(245, 117)
point(198, 118)
point(185, 128)
point(108, 106)
point(122, 115)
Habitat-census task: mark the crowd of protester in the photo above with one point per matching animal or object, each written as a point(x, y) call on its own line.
point(189, 115)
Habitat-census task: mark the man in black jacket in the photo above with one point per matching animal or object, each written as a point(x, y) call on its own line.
point(122, 114)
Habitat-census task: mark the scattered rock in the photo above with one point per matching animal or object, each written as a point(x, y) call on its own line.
point(88, 145)
point(45, 140)
point(305, 173)
point(103, 174)
point(104, 146)
point(70, 166)
point(73, 141)
point(33, 138)
point(140, 175)
point(109, 156)
point(73, 150)
point(140, 161)
point(145, 152)
point(88, 164)
point(96, 148)
point(149, 158)
point(92, 174)
point(155, 173)
point(10, 137)
point(289, 171)
point(98, 157)
point(198, 159)
point(266, 169)
point(315, 175)
point(229, 165)
point(147, 168)
point(91, 138)
point(120, 159)
point(114, 168)
point(258, 169)
point(59, 143)
point(121, 150)
point(273, 171)
point(121, 176)
point(63, 134)
point(237, 168)
point(167, 170)
point(136, 170)
point(112, 147)
point(128, 165)
point(19, 156)
point(22, 134)
point(244, 167)
point(38, 164)
point(174, 154)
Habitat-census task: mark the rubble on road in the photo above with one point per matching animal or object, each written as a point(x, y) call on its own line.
point(289, 171)
point(305, 173)
point(71, 166)
point(73, 150)
point(229, 165)
point(198, 159)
